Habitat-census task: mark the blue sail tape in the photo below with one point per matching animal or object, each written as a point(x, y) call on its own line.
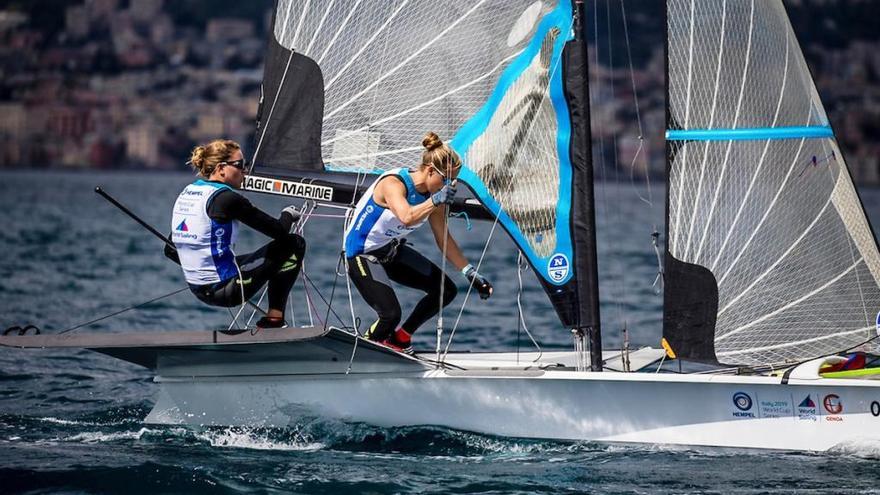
point(560, 17)
point(746, 134)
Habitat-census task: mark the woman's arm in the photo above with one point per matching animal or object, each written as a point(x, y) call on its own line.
point(455, 256)
point(229, 205)
point(393, 194)
point(438, 227)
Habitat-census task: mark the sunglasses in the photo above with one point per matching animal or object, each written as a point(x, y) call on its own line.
point(239, 164)
point(445, 178)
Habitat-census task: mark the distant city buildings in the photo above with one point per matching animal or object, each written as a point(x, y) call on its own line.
point(123, 84)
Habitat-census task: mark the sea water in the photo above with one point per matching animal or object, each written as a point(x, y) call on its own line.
point(71, 420)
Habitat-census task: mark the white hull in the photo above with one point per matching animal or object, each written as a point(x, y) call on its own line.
point(608, 406)
point(281, 378)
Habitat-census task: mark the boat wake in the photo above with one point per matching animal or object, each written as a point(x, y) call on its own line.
point(866, 448)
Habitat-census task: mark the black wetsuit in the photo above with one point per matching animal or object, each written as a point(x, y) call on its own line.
point(278, 262)
point(371, 274)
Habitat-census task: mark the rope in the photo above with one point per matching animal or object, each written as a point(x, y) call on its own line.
point(650, 199)
point(521, 323)
point(464, 215)
point(324, 300)
point(178, 291)
point(332, 294)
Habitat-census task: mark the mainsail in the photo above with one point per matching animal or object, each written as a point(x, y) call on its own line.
point(770, 257)
point(351, 86)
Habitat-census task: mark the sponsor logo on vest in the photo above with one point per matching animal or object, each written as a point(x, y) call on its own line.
point(182, 227)
point(557, 268)
point(288, 188)
point(807, 410)
point(190, 192)
point(743, 402)
point(364, 215)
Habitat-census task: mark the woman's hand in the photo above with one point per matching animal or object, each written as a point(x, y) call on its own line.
point(479, 282)
point(444, 196)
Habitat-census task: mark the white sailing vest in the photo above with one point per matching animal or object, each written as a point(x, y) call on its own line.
point(374, 226)
point(204, 245)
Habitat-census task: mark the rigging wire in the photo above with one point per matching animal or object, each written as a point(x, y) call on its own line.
point(622, 286)
point(615, 282)
point(271, 110)
point(641, 137)
point(443, 276)
point(136, 306)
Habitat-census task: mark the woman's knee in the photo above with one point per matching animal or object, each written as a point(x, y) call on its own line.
point(294, 244)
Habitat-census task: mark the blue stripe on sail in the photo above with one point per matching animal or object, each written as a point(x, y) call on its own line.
point(477, 125)
point(755, 133)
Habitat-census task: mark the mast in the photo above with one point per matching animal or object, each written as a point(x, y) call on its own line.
point(584, 205)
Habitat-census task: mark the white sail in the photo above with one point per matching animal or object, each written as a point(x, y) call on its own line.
point(759, 193)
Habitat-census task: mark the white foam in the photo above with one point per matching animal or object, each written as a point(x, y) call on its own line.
point(66, 421)
point(868, 448)
point(99, 437)
point(246, 439)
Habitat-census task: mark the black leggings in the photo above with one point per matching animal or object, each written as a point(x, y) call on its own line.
point(277, 263)
point(408, 268)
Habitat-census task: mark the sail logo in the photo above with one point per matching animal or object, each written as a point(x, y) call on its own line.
point(806, 410)
point(743, 403)
point(834, 406)
point(182, 227)
point(557, 268)
point(288, 188)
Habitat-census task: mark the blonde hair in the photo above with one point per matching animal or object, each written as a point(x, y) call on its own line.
point(205, 158)
point(438, 154)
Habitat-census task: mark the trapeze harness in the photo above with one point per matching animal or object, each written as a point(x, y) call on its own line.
point(377, 253)
point(204, 227)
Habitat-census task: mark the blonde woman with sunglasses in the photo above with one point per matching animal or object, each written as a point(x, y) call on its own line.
point(204, 227)
point(397, 203)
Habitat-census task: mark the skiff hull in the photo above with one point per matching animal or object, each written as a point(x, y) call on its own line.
point(285, 377)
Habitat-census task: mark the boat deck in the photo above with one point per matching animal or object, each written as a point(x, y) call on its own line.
point(297, 351)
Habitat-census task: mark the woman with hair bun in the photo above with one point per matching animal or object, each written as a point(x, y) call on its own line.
point(204, 227)
point(398, 202)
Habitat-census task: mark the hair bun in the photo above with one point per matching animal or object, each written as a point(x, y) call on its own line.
point(431, 141)
point(198, 156)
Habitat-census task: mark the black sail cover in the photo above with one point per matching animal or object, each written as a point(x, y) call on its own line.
point(770, 258)
point(351, 87)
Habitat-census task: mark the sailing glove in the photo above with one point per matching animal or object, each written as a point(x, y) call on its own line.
point(443, 196)
point(293, 213)
point(484, 288)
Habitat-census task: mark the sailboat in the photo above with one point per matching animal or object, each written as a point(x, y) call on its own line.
point(771, 267)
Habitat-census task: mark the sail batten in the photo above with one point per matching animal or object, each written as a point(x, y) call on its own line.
point(750, 134)
point(770, 257)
